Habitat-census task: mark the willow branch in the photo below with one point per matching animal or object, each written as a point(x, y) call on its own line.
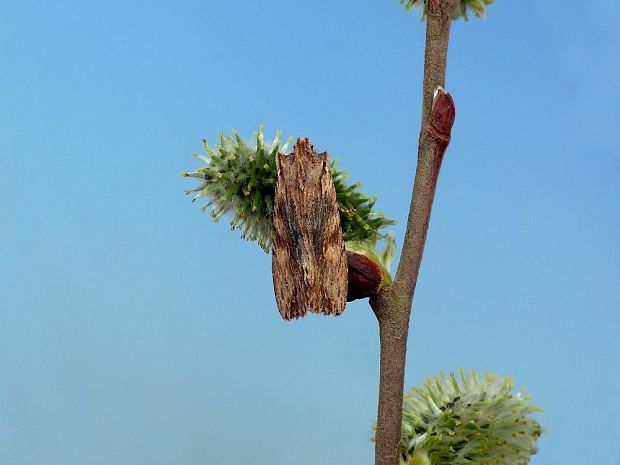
point(392, 306)
point(439, 19)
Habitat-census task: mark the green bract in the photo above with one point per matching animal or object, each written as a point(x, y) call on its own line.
point(468, 421)
point(477, 6)
point(239, 177)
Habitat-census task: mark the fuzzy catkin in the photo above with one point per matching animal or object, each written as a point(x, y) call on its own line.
point(239, 177)
point(478, 7)
point(468, 420)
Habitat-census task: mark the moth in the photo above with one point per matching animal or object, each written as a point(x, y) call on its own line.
point(309, 262)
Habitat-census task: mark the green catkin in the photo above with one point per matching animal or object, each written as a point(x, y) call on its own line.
point(471, 421)
point(239, 178)
point(478, 7)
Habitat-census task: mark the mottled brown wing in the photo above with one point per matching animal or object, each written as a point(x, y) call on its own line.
point(309, 262)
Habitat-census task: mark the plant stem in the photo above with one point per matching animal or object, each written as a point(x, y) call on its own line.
point(392, 306)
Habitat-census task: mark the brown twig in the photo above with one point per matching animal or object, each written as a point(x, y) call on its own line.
point(393, 305)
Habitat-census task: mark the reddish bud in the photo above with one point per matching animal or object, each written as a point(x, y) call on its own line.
point(365, 277)
point(442, 112)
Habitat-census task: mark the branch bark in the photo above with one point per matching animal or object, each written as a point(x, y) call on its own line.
point(392, 306)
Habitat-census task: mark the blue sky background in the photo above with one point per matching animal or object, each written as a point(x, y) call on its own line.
point(133, 330)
